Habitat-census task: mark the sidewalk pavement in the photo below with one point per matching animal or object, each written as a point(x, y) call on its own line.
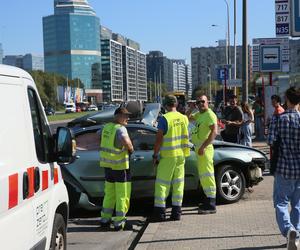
point(248, 224)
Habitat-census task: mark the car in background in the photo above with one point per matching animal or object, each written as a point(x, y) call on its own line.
point(92, 107)
point(70, 108)
point(78, 109)
point(49, 110)
point(236, 167)
point(83, 105)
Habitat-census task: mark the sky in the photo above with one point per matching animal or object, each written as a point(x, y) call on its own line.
point(171, 26)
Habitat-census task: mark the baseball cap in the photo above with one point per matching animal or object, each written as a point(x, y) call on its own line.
point(170, 100)
point(122, 111)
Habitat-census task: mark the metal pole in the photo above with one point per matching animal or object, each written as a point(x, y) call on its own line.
point(228, 35)
point(155, 96)
point(245, 54)
point(234, 41)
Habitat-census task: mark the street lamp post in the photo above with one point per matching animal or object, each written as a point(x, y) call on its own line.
point(228, 61)
point(228, 34)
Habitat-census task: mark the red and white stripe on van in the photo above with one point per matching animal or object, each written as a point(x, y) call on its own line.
point(11, 187)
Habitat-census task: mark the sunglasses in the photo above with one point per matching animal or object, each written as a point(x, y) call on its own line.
point(200, 101)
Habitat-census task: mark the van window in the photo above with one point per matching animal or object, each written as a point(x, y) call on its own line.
point(41, 131)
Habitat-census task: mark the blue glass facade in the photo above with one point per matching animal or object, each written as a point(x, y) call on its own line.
point(72, 42)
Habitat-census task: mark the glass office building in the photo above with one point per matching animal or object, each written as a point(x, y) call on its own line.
point(71, 42)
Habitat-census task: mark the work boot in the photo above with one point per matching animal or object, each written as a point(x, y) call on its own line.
point(105, 223)
point(158, 215)
point(208, 207)
point(176, 213)
point(122, 225)
point(291, 239)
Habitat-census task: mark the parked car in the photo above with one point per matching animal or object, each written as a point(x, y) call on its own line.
point(236, 167)
point(49, 110)
point(78, 109)
point(92, 107)
point(70, 108)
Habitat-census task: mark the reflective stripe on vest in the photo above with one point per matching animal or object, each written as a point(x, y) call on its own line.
point(176, 140)
point(110, 156)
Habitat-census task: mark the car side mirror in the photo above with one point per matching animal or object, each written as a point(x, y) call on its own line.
point(65, 146)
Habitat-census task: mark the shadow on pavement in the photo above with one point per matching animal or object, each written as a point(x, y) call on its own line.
point(261, 247)
point(209, 238)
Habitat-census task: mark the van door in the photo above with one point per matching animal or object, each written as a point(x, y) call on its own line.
point(16, 209)
point(45, 174)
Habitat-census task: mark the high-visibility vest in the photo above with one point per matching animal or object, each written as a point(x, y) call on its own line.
point(176, 140)
point(110, 156)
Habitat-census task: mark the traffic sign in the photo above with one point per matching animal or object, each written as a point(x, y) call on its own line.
point(270, 59)
point(282, 17)
point(270, 54)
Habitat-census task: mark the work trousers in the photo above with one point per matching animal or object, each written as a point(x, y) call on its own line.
point(206, 171)
point(170, 173)
point(117, 192)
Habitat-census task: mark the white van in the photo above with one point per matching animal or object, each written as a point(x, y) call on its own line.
point(33, 197)
point(70, 108)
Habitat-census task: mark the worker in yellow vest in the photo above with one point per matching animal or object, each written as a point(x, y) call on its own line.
point(171, 148)
point(115, 148)
point(203, 134)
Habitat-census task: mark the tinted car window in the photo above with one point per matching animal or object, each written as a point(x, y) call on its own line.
point(142, 139)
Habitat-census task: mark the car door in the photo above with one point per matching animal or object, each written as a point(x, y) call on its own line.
point(142, 171)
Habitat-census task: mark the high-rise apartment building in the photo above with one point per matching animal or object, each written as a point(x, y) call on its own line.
point(27, 62)
point(13, 60)
point(112, 70)
point(206, 60)
point(172, 72)
point(33, 62)
point(179, 77)
point(123, 68)
point(188, 80)
point(159, 69)
point(71, 42)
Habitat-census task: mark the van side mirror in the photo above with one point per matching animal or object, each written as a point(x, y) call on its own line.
point(65, 146)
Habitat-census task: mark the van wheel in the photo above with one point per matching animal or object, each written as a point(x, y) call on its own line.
point(58, 238)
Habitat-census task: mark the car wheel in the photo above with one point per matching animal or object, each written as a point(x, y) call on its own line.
point(58, 238)
point(230, 183)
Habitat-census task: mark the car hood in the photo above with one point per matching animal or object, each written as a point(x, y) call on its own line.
point(148, 116)
point(94, 119)
point(223, 144)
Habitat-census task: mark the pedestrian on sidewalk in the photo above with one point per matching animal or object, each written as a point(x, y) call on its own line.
point(258, 108)
point(276, 103)
point(203, 134)
point(246, 128)
point(172, 145)
point(115, 148)
point(286, 132)
point(233, 117)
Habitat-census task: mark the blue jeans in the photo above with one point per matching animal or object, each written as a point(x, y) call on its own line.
point(246, 133)
point(259, 127)
point(287, 191)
